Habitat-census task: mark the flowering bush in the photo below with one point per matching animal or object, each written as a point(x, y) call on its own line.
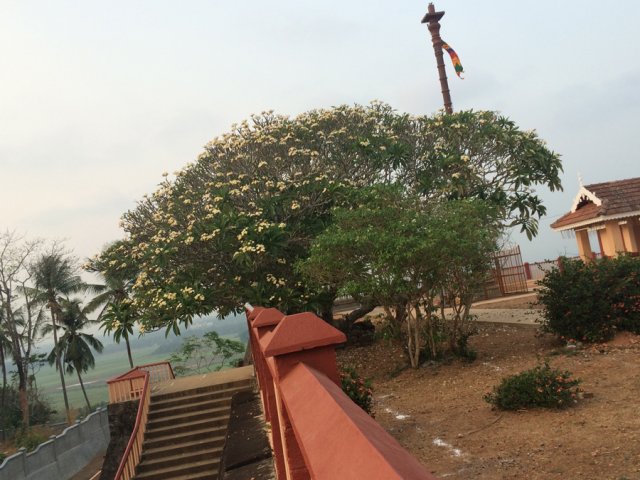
point(589, 301)
point(541, 386)
point(358, 389)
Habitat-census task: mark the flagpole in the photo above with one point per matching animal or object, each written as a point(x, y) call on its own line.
point(432, 19)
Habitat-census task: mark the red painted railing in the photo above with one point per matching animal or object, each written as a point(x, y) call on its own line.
point(316, 430)
point(159, 371)
point(136, 383)
point(131, 456)
point(128, 386)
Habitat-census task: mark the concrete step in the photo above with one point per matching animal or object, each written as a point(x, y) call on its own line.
point(233, 385)
point(183, 472)
point(174, 438)
point(212, 423)
point(178, 417)
point(198, 476)
point(160, 403)
point(192, 405)
point(183, 460)
point(187, 445)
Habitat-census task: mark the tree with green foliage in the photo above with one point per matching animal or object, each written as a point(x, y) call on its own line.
point(402, 252)
point(483, 155)
point(204, 354)
point(229, 227)
point(73, 348)
point(118, 314)
point(40, 410)
point(56, 277)
point(22, 313)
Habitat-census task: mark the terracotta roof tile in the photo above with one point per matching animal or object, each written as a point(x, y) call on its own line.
point(587, 212)
point(618, 197)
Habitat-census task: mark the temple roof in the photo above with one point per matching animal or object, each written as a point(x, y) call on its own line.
point(600, 202)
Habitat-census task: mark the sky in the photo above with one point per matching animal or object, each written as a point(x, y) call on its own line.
point(98, 99)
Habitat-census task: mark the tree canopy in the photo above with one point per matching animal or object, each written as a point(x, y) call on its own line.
point(402, 253)
point(230, 227)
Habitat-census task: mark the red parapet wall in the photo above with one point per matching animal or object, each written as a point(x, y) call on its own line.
point(317, 432)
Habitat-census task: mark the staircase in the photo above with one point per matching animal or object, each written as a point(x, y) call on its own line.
point(186, 431)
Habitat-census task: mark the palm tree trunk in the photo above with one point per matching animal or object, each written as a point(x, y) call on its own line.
point(126, 341)
point(59, 366)
point(84, 392)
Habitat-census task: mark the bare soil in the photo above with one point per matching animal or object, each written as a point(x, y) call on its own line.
point(438, 413)
point(517, 301)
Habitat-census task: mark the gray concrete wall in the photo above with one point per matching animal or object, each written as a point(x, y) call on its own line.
point(62, 456)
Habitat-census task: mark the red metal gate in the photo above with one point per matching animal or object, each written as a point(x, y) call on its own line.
point(507, 276)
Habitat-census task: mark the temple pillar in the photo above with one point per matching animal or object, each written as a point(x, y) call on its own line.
point(584, 246)
point(613, 242)
point(629, 233)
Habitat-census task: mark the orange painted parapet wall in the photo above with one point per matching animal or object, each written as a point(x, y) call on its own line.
point(136, 384)
point(317, 432)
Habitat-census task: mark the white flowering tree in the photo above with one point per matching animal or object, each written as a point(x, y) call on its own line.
point(229, 228)
point(482, 155)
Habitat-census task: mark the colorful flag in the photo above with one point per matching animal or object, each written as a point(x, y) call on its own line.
point(454, 59)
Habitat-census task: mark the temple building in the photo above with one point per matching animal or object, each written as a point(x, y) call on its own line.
point(607, 213)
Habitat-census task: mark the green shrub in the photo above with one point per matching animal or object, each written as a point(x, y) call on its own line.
point(541, 386)
point(463, 350)
point(358, 389)
point(590, 301)
point(29, 439)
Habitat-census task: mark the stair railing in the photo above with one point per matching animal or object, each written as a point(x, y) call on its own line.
point(128, 386)
point(132, 385)
point(133, 452)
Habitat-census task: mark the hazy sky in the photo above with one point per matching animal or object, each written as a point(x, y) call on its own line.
point(97, 99)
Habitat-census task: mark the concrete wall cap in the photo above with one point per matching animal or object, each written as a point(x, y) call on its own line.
point(319, 409)
point(267, 317)
point(253, 313)
point(302, 331)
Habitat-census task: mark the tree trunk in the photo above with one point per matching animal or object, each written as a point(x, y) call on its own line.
point(23, 397)
point(126, 341)
point(410, 340)
point(16, 353)
point(327, 314)
point(84, 392)
point(4, 392)
point(351, 317)
point(59, 365)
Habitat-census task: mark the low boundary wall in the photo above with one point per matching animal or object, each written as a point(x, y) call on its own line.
point(317, 432)
point(63, 455)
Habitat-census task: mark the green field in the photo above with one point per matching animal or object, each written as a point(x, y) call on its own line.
point(108, 365)
point(150, 348)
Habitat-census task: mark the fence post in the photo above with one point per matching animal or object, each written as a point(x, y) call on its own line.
point(300, 338)
point(527, 270)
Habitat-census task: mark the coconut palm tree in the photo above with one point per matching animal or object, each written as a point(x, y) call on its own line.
point(73, 349)
point(118, 315)
point(55, 275)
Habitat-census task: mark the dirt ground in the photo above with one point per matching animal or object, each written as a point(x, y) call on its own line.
point(437, 411)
